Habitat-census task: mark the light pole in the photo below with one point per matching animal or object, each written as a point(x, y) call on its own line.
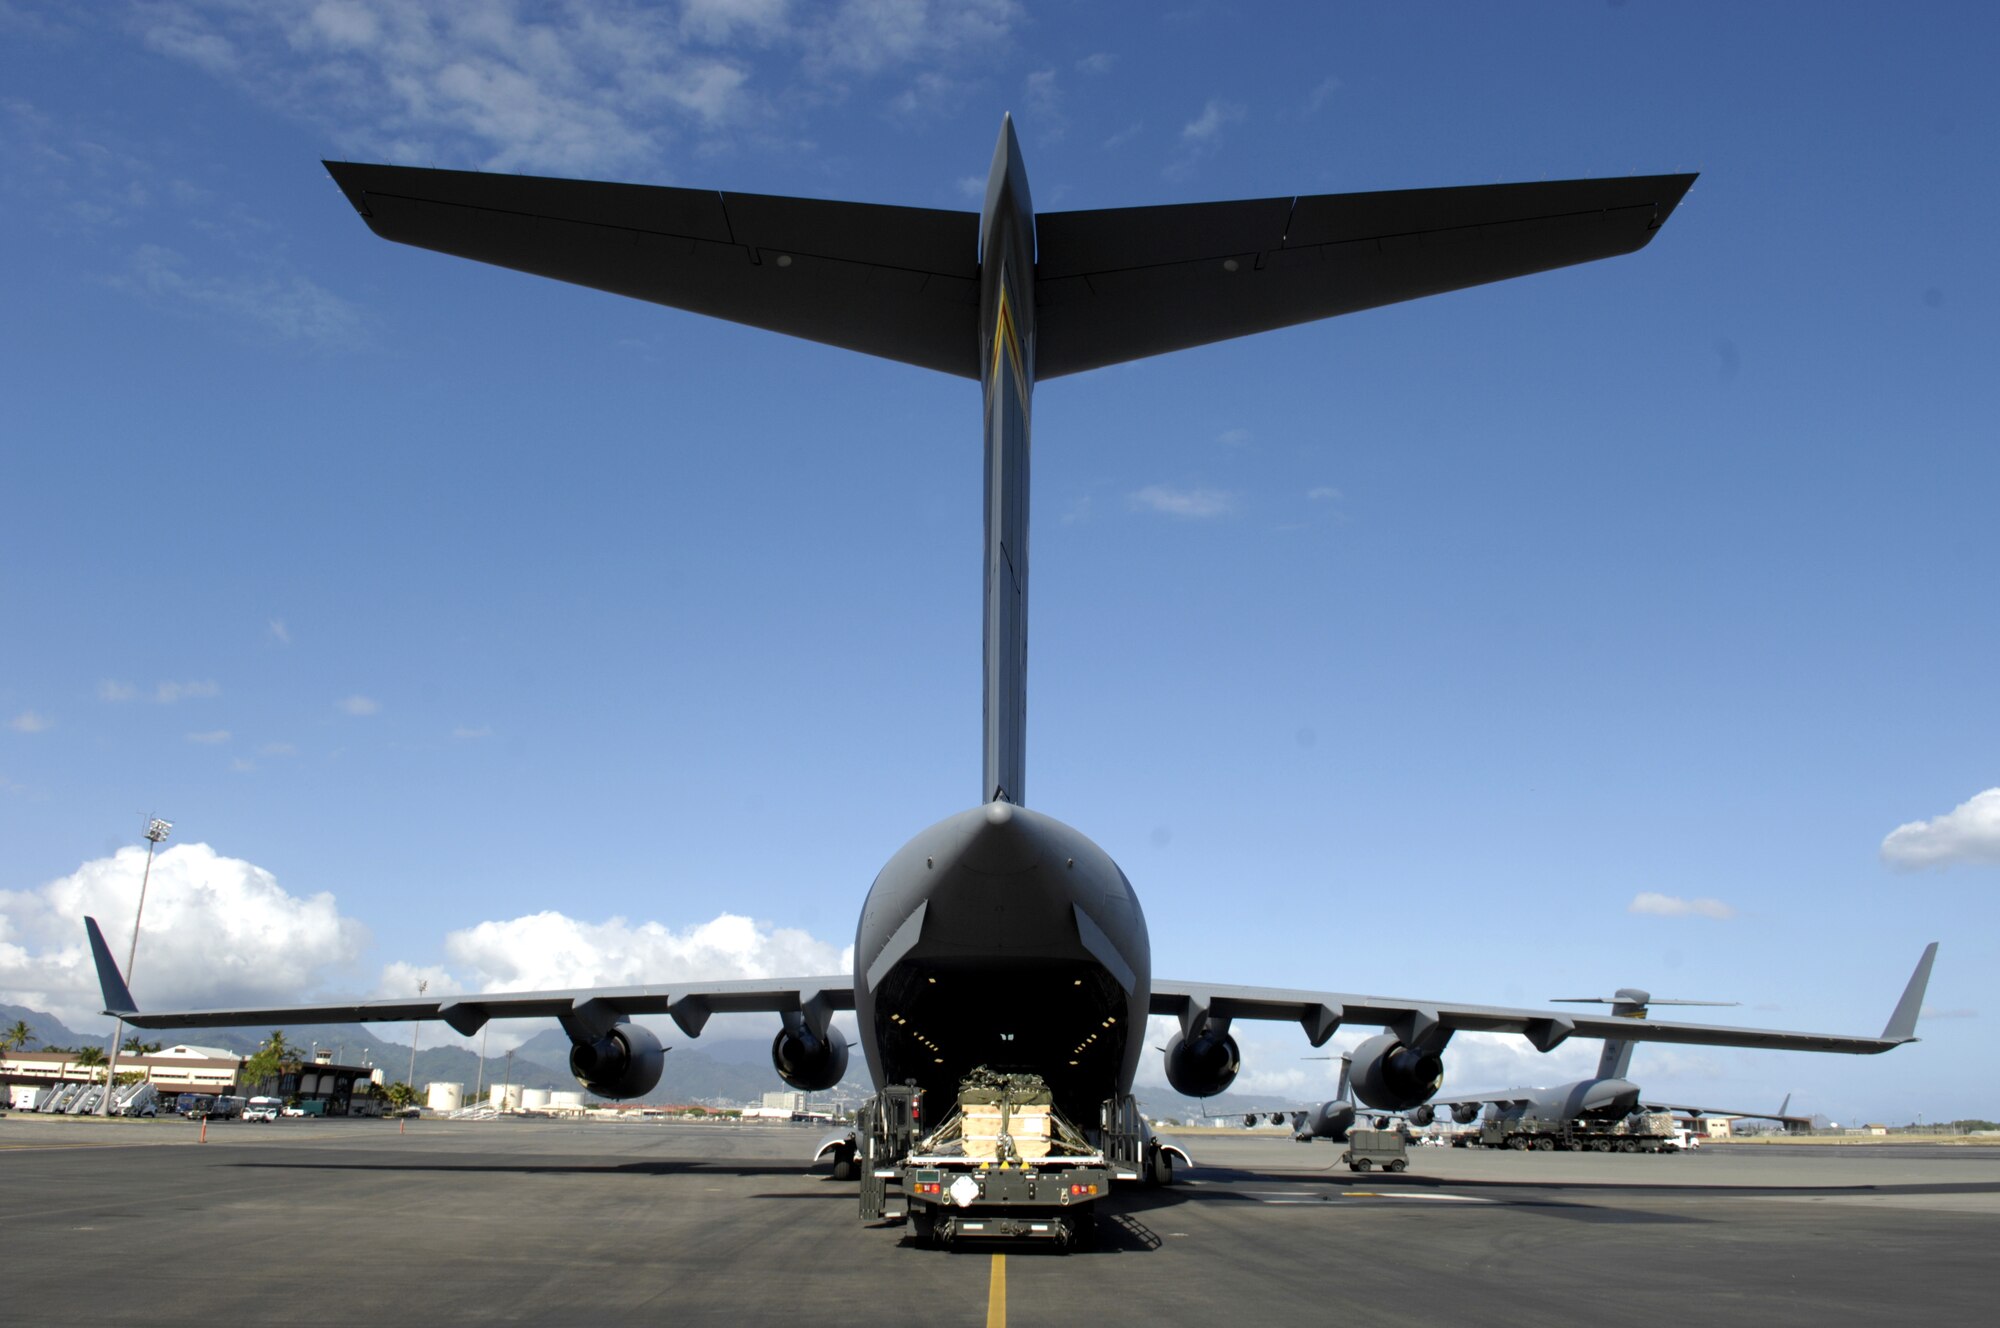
point(156, 831)
point(422, 987)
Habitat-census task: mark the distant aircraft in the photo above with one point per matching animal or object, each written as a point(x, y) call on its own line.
point(1000, 936)
point(1608, 1095)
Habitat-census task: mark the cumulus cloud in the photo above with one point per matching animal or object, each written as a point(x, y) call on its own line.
point(551, 949)
point(1673, 906)
point(1195, 503)
point(1324, 493)
point(218, 931)
point(360, 706)
point(108, 690)
point(167, 693)
point(1968, 833)
point(30, 721)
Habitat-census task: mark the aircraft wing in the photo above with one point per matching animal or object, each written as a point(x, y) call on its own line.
point(688, 1004)
point(1654, 1104)
point(1415, 1021)
point(1121, 283)
point(898, 282)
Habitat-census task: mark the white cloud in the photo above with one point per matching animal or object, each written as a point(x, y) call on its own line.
point(30, 721)
point(1098, 62)
point(360, 706)
point(1968, 833)
point(109, 690)
point(1324, 89)
point(469, 733)
point(218, 931)
point(279, 632)
point(282, 303)
point(1206, 128)
point(1324, 493)
point(1196, 503)
point(569, 88)
point(1123, 136)
point(211, 737)
point(1673, 906)
point(277, 749)
point(1234, 438)
point(1956, 1012)
point(544, 950)
point(167, 693)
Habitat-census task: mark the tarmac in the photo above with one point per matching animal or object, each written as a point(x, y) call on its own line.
point(520, 1221)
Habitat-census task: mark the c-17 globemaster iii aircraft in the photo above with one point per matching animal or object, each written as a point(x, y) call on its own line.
point(1001, 937)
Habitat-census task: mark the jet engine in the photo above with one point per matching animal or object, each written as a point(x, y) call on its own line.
point(1466, 1112)
point(808, 1061)
point(626, 1062)
point(1422, 1116)
point(1392, 1077)
point(1203, 1065)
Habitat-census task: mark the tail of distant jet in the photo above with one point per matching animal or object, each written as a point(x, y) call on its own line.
point(1615, 1062)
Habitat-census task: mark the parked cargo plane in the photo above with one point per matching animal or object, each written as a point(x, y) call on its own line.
point(1606, 1096)
point(1001, 897)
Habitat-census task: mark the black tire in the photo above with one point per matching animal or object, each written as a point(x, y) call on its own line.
point(843, 1165)
point(1400, 1164)
point(1362, 1164)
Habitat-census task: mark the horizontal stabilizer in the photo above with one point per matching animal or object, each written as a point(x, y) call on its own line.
point(898, 282)
point(117, 1000)
point(1122, 283)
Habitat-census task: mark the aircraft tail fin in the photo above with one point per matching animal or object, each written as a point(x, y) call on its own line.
point(1784, 1106)
point(117, 999)
point(1902, 1025)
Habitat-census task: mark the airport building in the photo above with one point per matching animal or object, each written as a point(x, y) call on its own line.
point(323, 1088)
point(171, 1070)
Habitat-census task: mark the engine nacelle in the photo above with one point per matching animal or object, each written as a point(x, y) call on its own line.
point(1203, 1065)
point(1422, 1116)
point(1466, 1112)
point(807, 1060)
point(626, 1062)
point(1392, 1077)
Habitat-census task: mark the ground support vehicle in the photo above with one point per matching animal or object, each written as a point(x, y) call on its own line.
point(1003, 1163)
point(1641, 1132)
point(1387, 1149)
point(263, 1109)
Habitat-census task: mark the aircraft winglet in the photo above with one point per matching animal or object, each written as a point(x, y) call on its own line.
point(117, 1000)
point(1902, 1025)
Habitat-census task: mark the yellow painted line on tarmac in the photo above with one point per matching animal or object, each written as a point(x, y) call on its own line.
point(996, 1294)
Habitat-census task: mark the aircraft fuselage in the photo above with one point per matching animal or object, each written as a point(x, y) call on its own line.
point(1003, 938)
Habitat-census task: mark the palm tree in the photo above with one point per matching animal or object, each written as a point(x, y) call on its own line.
point(133, 1046)
point(89, 1057)
point(17, 1037)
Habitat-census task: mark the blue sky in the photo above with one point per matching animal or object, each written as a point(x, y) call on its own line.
point(1590, 630)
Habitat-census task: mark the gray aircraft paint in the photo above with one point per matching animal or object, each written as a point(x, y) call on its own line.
point(1001, 936)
